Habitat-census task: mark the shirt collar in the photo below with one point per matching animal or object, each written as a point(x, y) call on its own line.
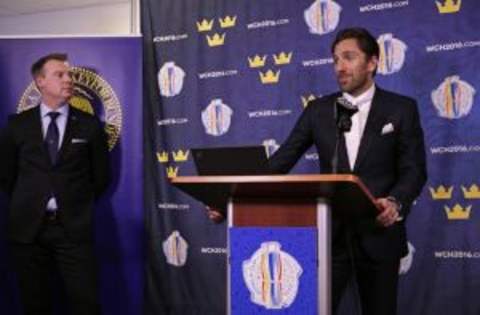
point(44, 110)
point(364, 98)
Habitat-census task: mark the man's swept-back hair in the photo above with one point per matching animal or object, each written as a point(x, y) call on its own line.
point(366, 42)
point(37, 66)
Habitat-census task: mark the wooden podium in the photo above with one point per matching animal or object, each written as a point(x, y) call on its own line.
point(285, 201)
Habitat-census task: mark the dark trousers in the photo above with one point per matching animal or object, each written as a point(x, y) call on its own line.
point(376, 281)
point(75, 262)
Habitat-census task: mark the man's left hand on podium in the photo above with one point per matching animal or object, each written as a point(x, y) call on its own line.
point(215, 215)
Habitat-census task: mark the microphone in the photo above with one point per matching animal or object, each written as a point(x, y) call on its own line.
point(344, 110)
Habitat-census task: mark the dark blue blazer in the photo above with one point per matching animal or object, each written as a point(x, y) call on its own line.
point(390, 161)
point(27, 175)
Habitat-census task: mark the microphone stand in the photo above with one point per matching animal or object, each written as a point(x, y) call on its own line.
point(343, 122)
point(343, 112)
point(338, 134)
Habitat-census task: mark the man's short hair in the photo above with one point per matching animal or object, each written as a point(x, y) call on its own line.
point(366, 42)
point(37, 66)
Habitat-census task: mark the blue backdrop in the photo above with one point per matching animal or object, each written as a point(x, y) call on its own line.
point(108, 80)
point(226, 72)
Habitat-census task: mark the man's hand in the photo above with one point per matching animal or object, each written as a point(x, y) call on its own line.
point(390, 212)
point(215, 215)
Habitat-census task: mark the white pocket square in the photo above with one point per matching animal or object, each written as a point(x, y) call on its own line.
point(387, 129)
point(78, 140)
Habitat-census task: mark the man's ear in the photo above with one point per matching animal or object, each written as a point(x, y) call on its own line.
point(373, 63)
point(38, 82)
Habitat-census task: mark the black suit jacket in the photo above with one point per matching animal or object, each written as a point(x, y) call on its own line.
point(390, 161)
point(78, 177)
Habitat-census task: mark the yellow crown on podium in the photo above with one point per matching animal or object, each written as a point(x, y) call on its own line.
point(441, 192)
point(227, 21)
point(172, 171)
point(471, 193)
point(180, 155)
point(205, 25)
point(449, 6)
point(162, 157)
point(269, 77)
point(282, 58)
point(307, 99)
point(257, 61)
point(458, 212)
point(216, 40)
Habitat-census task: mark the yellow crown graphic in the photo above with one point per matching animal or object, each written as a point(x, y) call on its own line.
point(449, 6)
point(205, 25)
point(458, 212)
point(216, 40)
point(441, 192)
point(162, 157)
point(307, 99)
point(472, 193)
point(180, 155)
point(269, 77)
point(227, 21)
point(172, 171)
point(282, 58)
point(257, 61)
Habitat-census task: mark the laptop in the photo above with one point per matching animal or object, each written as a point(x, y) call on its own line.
point(246, 160)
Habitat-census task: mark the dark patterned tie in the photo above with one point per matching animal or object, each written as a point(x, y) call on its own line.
point(52, 137)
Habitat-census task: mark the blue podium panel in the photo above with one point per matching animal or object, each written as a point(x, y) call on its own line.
point(273, 271)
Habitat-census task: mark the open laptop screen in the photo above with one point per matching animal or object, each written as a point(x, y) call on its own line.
point(247, 160)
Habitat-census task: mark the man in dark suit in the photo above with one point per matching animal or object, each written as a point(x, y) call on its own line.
point(54, 166)
point(385, 148)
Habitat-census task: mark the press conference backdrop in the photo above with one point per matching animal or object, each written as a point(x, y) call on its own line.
point(107, 78)
point(231, 72)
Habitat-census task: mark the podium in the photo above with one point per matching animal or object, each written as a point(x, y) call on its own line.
point(288, 219)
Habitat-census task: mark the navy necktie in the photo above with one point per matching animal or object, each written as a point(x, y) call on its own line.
point(52, 137)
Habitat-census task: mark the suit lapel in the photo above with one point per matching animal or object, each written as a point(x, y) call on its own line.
point(371, 128)
point(37, 127)
point(35, 124)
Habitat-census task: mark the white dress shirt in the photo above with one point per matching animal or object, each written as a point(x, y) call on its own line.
point(61, 122)
point(352, 138)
